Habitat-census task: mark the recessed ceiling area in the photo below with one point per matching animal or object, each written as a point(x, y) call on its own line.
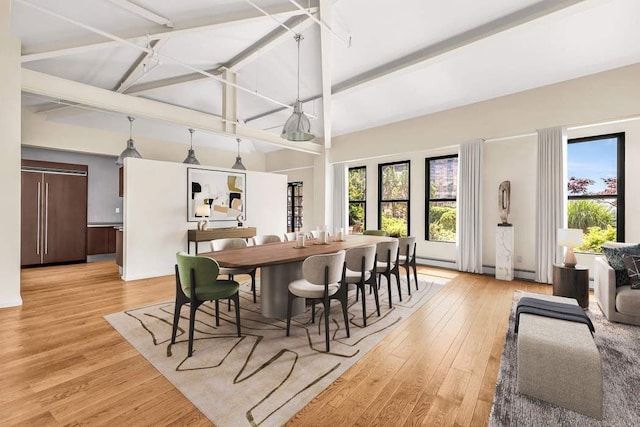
point(404, 60)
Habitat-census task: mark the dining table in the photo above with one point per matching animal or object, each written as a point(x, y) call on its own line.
point(281, 263)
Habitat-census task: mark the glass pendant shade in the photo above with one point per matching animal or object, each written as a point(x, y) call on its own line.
point(297, 127)
point(238, 164)
point(191, 155)
point(130, 151)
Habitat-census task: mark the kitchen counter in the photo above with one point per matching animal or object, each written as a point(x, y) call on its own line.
point(104, 224)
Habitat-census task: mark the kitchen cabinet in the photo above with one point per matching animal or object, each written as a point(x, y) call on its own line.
point(54, 212)
point(101, 240)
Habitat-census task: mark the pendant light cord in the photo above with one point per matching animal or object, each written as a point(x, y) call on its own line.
point(131, 119)
point(298, 38)
point(191, 143)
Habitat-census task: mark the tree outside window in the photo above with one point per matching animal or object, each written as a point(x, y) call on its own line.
point(357, 199)
point(393, 198)
point(441, 198)
point(596, 189)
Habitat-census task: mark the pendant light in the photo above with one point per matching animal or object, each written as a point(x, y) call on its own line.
point(191, 156)
point(130, 151)
point(238, 164)
point(297, 127)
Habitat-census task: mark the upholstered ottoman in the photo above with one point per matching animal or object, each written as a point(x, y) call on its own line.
point(558, 361)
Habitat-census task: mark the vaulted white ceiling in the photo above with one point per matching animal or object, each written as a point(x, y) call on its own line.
point(405, 58)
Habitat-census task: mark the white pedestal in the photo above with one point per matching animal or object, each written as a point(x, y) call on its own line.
point(504, 253)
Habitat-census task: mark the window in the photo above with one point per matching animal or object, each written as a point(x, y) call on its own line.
point(596, 189)
point(294, 206)
point(357, 199)
point(441, 198)
point(393, 198)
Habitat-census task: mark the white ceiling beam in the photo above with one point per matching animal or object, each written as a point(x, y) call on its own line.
point(49, 50)
point(514, 19)
point(139, 68)
point(325, 65)
point(141, 11)
point(266, 43)
point(229, 101)
point(58, 88)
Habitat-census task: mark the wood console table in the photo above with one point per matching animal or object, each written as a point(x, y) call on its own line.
point(218, 233)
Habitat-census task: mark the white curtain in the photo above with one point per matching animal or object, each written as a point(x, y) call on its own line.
point(469, 223)
point(550, 199)
point(340, 197)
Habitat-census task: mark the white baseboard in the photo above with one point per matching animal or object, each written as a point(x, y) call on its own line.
point(11, 303)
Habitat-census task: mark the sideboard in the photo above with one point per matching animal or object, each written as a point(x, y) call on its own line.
point(196, 236)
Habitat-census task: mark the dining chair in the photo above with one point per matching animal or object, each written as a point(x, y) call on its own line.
point(235, 243)
point(407, 258)
point(383, 233)
point(267, 238)
point(387, 264)
point(196, 282)
point(360, 271)
point(323, 279)
point(290, 237)
point(313, 234)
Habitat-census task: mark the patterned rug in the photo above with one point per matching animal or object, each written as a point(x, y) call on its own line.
point(263, 377)
point(619, 347)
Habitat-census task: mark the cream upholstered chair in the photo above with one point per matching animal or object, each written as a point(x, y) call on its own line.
point(290, 237)
point(197, 282)
point(407, 258)
point(313, 234)
point(361, 263)
point(322, 280)
point(267, 238)
point(235, 243)
point(387, 264)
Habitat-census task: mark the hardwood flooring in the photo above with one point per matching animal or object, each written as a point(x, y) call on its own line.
point(63, 364)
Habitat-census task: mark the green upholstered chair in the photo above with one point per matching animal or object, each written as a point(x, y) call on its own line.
point(407, 258)
point(323, 280)
point(361, 264)
point(375, 233)
point(387, 264)
point(197, 282)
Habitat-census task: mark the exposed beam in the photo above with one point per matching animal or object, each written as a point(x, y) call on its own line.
point(325, 65)
point(277, 110)
point(138, 69)
point(141, 11)
point(229, 101)
point(52, 50)
point(266, 43)
point(58, 88)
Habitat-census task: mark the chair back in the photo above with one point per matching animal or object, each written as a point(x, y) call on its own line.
point(231, 243)
point(354, 256)
point(384, 250)
point(267, 238)
point(383, 233)
point(407, 245)
point(313, 268)
point(206, 271)
point(313, 234)
point(290, 237)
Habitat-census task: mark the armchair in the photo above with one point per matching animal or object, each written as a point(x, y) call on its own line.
point(619, 304)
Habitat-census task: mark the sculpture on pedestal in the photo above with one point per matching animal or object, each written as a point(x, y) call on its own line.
point(504, 201)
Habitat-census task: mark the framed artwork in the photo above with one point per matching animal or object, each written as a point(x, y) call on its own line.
point(218, 195)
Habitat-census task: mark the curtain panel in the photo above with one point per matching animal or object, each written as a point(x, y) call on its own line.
point(340, 199)
point(469, 223)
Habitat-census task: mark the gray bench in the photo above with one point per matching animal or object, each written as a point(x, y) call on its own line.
point(558, 361)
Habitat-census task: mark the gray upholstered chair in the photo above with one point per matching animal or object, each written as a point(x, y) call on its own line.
point(267, 238)
point(290, 237)
point(361, 263)
point(375, 233)
point(387, 264)
point(323, 278)
point(197, 282)
point(235, 243)
point(407, 258)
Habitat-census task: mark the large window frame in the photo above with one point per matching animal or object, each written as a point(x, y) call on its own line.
point(294, 206)
point(381, 166)
point(428, 199)
point(363, 201)
point(620, 175)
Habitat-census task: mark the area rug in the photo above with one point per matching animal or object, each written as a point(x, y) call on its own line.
point(263, 377)
point(619, 347)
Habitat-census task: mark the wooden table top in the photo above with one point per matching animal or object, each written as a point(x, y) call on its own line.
point(285, 252)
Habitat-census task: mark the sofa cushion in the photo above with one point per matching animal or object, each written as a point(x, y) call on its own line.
point(628, 301)
point(614, 254)
point(632, 263)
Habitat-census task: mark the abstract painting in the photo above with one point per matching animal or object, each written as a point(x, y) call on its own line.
point(223, 192)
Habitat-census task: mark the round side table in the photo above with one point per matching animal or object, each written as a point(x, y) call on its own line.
point(572, 282)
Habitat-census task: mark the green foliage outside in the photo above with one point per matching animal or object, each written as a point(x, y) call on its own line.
point(395, 186)
point(443, 223)
point(396, 227)
point(357, 192)
point(596, 219)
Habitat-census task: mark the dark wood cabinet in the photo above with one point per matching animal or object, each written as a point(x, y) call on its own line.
point(54, 212)
point(101, 240)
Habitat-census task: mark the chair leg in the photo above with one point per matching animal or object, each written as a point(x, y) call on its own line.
point(192, 323)
point(289, 303)
point(375, 294)
point(408, 279)
point(364, 305)
point(236, 301)
point(397, 274)
point(176, 319)
point(313, 311)
point(343, 302)
point(388, 277)
point(326, 322)
point(217, 313)
point(253, 284)
point(415, 274)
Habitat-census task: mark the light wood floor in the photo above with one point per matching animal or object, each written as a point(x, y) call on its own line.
point(63, 364)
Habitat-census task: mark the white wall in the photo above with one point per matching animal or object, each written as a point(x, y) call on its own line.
point(155, 213)
point(9, 161)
